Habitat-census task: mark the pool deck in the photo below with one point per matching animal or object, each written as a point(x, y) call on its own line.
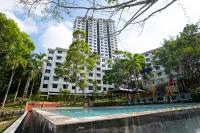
point(58, 119)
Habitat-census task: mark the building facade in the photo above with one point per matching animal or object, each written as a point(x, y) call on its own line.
point(100, 38)
point(99, 35)
point(159, 75)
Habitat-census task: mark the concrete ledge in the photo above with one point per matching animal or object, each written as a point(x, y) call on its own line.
point(16, 124)
point(184, 120)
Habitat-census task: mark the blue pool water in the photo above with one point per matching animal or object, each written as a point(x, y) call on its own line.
point(104, 111)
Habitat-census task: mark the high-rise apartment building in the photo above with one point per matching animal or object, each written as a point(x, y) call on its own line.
point(99, 35)
point(100, 38)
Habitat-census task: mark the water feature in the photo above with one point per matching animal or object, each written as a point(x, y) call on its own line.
point(104, 111)
point(165, 118)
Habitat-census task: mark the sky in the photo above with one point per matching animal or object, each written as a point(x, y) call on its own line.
point(50, 33)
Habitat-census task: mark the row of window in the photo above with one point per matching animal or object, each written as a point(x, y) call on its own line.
point(55, 86)
point(57, 58)
point(65, 86)
point(57, 64)
point(56, 78)
point(59, 52)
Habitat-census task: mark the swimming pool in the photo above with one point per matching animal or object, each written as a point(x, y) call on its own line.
point(106, 111)
point(165, 118)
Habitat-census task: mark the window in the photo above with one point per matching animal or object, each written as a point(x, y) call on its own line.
point(90, 80)
point(103, 60)
point(50, 58)
point(159, 74)
point(103, 65)
point(55, 85)
point(98, 75)
point(90, 87)
point(104, 82)
point(104, 89)
point(157, 67)
point(59, 57)
point(46, 78)
point(99, 81)
point(65, 78)
point(73, 87)
point(90, 74)
point(65, 86)
point(51, 52)
point(57, 63)
point(98, 87)
point(55, 78)
point(98, 69)
point(110, 89)
point(47, 71)
point(59, 52)
point(147, 59)
point(48, 64)
point(45, 85)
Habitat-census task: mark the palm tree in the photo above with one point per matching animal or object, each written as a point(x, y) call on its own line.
point(37, 69)
point(12, 61)
point(135, 64)
point(33, 70)
point(17, 90)
point(20, 74)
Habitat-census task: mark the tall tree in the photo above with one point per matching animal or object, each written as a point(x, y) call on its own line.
point(15, 47)
point(79, 61)
point(125, 69)
point(181, 55)
point(12, 61)
point(38, 61)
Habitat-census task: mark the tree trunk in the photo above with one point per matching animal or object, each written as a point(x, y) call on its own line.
point(8, 88)
point(26, 88)
point(16, 93)
point(84, 93)
point(32, 89)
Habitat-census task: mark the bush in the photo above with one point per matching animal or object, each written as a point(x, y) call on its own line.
point(109, 103)
point(195, 93)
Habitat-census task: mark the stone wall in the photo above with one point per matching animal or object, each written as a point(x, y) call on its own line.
point(30, 105)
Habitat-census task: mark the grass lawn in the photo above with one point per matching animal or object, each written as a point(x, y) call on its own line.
point(6, 124)
point(7, 109)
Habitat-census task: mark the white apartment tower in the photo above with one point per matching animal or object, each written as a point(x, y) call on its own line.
point(100, 38)
point(99, 35)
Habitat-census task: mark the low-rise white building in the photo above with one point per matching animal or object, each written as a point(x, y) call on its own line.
point(51, 84)
point(159, 75)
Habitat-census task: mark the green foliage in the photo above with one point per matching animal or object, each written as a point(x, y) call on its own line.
point(124, 69)
point(17, 61)
point(65, 93)
point(117, 74)
point(182, 54)
point(38, 96)
point(79, 61)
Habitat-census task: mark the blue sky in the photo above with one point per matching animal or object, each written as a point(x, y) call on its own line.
point(50, 33)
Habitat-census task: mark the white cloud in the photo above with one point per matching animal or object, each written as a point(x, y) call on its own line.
point(57, 35)
point(27, 24)
point(167, 23)
point(9, 5)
